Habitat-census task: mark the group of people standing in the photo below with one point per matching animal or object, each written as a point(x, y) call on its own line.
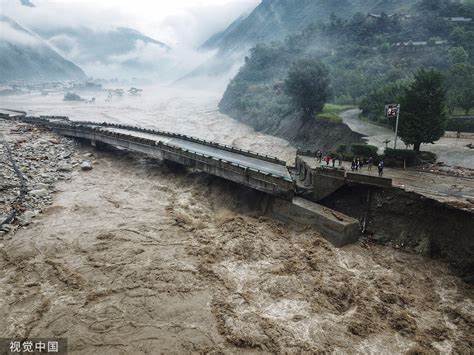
point(356, 164)
point(328, 158)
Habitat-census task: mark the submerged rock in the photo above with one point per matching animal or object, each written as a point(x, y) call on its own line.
point(27, 217)
point(86, 165)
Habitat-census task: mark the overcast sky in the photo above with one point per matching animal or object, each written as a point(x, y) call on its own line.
point(185, 22)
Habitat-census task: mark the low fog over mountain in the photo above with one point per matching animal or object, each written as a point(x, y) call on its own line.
point(117, 50)
point(25, 56)
point(276, 19)
point(151, 41)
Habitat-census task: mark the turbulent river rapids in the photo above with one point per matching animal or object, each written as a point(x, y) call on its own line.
point(137, 257)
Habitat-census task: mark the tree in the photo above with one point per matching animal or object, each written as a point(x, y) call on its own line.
point(461, 86)
point(458, 55)
point(307, 85)
point(423, 109)
point(373, 104)
point(452, 100)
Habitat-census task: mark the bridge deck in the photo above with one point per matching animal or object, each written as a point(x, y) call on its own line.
point(253, 163)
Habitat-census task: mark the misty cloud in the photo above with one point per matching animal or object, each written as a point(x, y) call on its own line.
point(65, 45)
point(187, 22)
point(9, 33)
point(144, 53)
point(148, 60)
point(27, 3)
point(79, 31)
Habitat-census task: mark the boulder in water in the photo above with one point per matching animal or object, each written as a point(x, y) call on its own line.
point(86, 165)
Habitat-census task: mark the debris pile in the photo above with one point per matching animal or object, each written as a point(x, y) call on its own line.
point(41, 160)
point(457, 171)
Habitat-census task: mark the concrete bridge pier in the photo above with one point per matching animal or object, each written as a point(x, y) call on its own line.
point(99, 145)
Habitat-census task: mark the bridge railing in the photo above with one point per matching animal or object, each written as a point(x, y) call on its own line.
point(47, 119)
point(282, 183)
point(198, 140)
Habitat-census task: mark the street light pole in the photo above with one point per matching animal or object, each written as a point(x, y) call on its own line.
point(396, 127)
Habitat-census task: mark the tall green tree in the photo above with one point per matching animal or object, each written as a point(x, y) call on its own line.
point(461, 86)
point(307, 85)
point(423, 109)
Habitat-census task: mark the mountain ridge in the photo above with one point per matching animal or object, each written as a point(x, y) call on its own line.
point(96, 45)
point(25, 56)
point(275, 19)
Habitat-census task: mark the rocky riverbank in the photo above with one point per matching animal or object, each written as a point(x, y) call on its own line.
point(32, 162)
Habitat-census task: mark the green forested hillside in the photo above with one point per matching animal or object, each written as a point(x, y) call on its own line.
point(276, 19)
point(369, 56)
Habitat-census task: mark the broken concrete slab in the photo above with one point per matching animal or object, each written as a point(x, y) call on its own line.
point(336, 227)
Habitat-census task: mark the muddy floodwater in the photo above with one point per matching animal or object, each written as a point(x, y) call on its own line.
point(191, 112)
point(135, 257)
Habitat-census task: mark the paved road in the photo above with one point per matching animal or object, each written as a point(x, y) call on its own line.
point(444, 188)
point(253, 163)
point(449, 149)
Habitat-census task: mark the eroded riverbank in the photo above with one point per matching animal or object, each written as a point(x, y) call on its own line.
point(133, 256)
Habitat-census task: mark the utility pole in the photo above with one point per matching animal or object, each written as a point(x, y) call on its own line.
point(396, 127)
point(391, 112)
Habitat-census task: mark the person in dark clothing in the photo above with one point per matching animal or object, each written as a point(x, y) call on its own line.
point(381, 166)
point(319, 156)
point(353, 165)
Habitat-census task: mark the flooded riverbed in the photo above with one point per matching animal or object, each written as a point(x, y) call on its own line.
point(191, 112)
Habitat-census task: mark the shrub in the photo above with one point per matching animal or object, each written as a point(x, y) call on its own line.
point(347, 156)
point(427, 157)
point(461, 124)
point(334, 108)
point(342, 148)
point(397, 157)
point(364, 150)
point(331, 117)
point(401, 154)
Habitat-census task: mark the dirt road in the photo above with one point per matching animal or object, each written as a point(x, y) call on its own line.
point(132, 257)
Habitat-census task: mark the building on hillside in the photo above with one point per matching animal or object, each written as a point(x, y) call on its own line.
point(458, 19)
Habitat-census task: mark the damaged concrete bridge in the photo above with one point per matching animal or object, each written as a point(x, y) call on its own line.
point(260, 172)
